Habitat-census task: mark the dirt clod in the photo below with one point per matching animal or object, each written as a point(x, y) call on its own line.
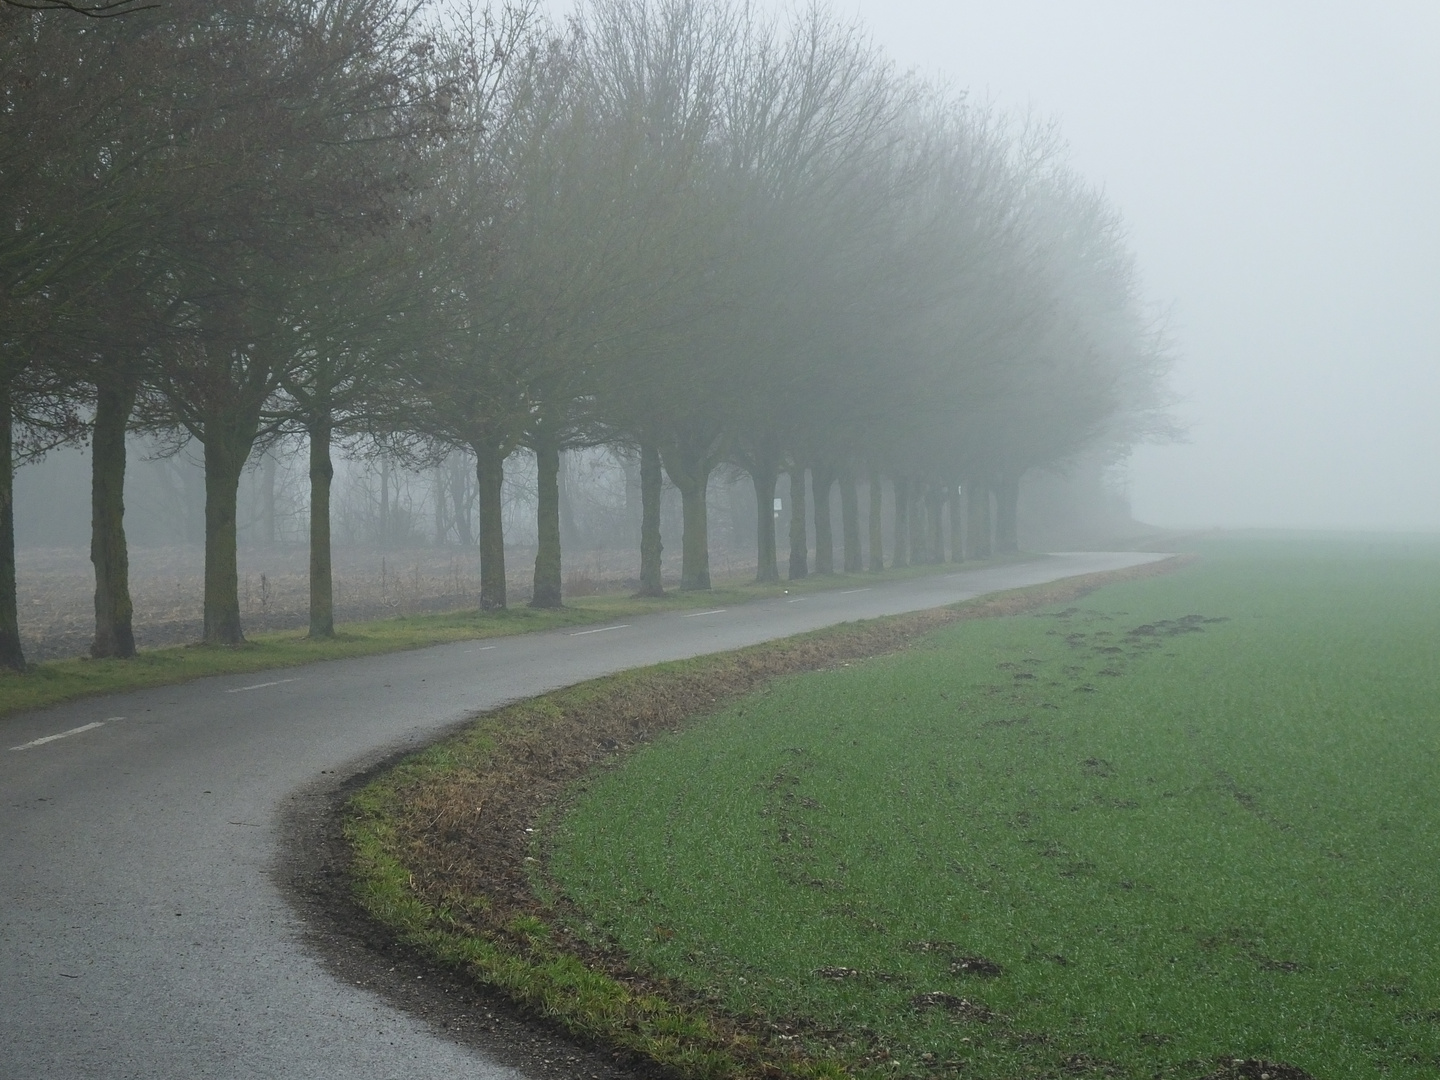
point(977, 965)
point(1256, 1069)
point(961, 1007)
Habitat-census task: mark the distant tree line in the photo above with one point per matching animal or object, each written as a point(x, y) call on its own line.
point(669, 226)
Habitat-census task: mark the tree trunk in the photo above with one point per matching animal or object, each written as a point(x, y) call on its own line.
point(11, 655)
point(902, 521)
point(877, 523)
point(799, 541)
point(322, 585)
point(225, 454)
point(694, 541)
point(957, 542)
point(1007, 506)
point(918, 526)
point(767, 568)
point(651, 488)
point(977, 520)
point(850, 523)
point(821, 481)
point(935, 504)
point(547, 524)
point(114, 631)
point(489, 475)
point(691, 475)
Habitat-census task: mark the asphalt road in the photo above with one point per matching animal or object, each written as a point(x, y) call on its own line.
point(142, 932)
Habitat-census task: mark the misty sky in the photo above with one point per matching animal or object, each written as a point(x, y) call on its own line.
point(1279, 165)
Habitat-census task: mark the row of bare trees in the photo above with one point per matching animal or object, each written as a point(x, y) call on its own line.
point(669, 226)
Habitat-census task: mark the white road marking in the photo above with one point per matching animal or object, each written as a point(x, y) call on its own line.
point(260, 686)
point(797, 600)
point(483, 648)
point(847, 592)
point(697, 614)
point(600, 630)
point(66, 734)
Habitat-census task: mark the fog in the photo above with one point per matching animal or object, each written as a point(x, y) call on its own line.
point(917, 298)
point(1279, 167)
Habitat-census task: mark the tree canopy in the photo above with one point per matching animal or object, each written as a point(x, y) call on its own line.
point(677, 227)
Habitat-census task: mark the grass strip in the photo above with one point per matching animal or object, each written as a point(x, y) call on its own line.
point(448, 846)
point(54, 681)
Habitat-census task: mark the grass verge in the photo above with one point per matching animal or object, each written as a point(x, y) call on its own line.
point(447, 855)
point(56, 681)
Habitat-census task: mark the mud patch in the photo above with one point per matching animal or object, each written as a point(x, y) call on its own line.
point(963, 1008)
point(1256, 1069)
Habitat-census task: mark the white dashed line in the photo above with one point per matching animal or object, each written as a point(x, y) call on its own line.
point(847, 592)
point(797, 600)
point(260, 686)
point(66, 734)
point(600, 630)
point(483, 648)
point(697, 614)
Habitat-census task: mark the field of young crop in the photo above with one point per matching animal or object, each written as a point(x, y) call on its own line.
point(1187, 826)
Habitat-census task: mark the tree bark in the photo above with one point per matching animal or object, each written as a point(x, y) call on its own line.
point(977, 520)
point(547, 524)
point(11, 655)
point(877, 523)
point(902, 521)
point(691, 475)
point(489, 476)
point(1007, 506)
point(821, 481)
point(799, 541)
point(765, 477)
point(850, 523)
point(651, 488)
point(322, 584)
point(225, 454)
point(114, 612)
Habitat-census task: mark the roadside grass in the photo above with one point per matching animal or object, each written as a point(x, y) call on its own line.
point(445, 852)
point(1187, 821)
point(55, 681)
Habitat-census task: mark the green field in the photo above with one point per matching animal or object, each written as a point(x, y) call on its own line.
point(1189, 818)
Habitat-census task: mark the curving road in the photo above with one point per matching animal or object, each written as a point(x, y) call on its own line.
point(142, 932)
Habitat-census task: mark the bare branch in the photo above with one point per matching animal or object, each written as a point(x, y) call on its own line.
point(94, 11)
